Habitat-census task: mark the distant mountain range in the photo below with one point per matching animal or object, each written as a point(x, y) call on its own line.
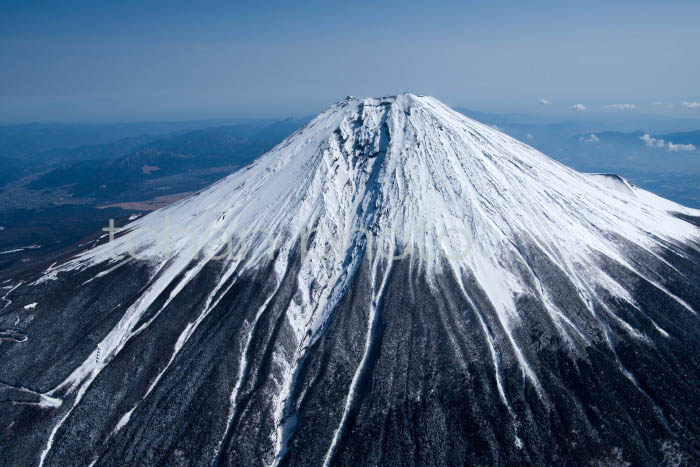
point(28, 140)
point(198, 157)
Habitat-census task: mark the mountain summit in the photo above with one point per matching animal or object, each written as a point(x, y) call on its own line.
point(394, 284)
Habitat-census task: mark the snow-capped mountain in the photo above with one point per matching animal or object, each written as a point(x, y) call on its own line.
point(394, 284)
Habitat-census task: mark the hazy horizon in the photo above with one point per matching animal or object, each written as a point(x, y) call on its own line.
point(82, 62)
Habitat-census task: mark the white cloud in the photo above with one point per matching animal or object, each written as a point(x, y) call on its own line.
point(545, 102)
point(578, 107)
point(660, 143)
point(657, 104)
point(652, 142)
point(530, 136)
point(621, 107)
point(691, 105)
point(591, 139)
point(680, 147)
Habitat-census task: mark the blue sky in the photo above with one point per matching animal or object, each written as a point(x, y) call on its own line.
point(128, 60)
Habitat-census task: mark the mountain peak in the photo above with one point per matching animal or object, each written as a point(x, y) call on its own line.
point(389, 230)
point(405, 177)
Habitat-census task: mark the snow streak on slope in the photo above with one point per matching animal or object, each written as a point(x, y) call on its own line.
point(396, 174)
point(371, 330)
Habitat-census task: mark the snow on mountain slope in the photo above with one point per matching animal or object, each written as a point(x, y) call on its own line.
point(614, 182)
point(401, 176)
point(412, 169)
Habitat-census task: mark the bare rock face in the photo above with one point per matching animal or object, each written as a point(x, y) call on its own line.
point(394, 284)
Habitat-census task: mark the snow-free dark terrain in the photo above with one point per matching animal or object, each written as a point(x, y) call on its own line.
point(531, 314)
